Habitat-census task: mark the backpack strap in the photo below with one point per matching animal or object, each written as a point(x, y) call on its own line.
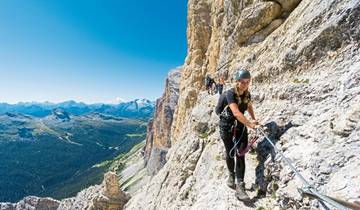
point(224, 109)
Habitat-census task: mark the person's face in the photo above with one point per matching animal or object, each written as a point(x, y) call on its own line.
point(244, 84)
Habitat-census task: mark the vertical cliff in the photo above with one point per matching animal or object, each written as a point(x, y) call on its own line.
point(159, 128)
point(216, 32)
point(305, 61)
point(304, 58)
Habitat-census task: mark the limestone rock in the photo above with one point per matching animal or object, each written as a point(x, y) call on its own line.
point(159, 129)
point(304, 58)
point(32, 203)
point(347, 122)
point(106, 196)
point(134, 173)
point(254, 18)
point(112, 198)
point(261, 35)
point(288, 5)
point(149, 139)
point(216, 29)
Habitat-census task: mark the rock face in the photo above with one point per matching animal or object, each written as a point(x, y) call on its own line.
point(159, 129)
point(106, 196)
point(113, 198)
point(32, 203)
point(217, 30)
point(304, 58)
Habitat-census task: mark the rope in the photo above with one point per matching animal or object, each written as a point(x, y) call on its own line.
point(236, 142)
point(307, 187)
point(245, 150)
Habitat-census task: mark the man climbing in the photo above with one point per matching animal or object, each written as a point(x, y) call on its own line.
point(231, 108)
point(221, 83)
point(213, 86)
point(208, 83)
point(225, 73)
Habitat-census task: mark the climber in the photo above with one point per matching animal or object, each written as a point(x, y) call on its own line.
point(210, 85)
point(220, 85)
point(231, 107)
point(213, 87)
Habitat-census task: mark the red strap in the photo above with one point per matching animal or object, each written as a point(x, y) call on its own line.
point(244, 151)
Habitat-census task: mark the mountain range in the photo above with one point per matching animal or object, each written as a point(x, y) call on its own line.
point(56, 149)
point(138, 108)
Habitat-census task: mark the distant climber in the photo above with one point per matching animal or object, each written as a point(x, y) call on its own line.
point(220, 84)
point(210, 84)
point(226, 74)
point(231, 107)
point(213, 87)
point(207, 82)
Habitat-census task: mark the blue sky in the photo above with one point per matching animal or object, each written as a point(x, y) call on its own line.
point(87, 50)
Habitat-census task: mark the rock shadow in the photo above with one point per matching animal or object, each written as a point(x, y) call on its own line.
point(263, 151)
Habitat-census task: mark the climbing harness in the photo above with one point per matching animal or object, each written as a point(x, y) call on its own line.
point(245, 150)
point(236, 141)
point(307, 189)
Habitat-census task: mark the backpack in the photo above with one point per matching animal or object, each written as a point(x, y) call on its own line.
point(220, 104)
point(223, 109)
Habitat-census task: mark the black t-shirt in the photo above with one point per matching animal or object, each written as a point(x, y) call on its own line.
point(229, 97)
point(242, 102)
